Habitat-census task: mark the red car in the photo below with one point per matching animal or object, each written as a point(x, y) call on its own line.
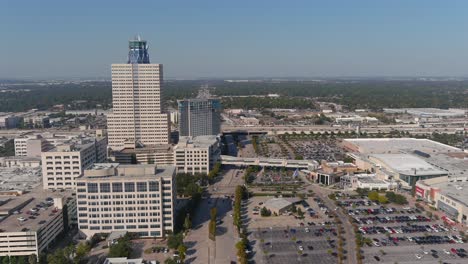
point(454, 251)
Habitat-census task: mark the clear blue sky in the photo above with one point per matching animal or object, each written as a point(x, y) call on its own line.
point(220, 38)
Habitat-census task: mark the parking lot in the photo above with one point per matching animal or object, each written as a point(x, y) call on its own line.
point(403, 234)
point(313, 244)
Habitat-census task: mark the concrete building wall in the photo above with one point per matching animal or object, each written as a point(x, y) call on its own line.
point(137, 204)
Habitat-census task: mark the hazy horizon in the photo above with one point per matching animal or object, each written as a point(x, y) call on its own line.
point(242, 39)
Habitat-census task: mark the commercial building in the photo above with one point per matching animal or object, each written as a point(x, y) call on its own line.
point(428, 112)
point(407, 160)
point(135, 198)
point(138, 116)
point(199, 117)
point(280, 205)
point(31, 222)
point(31, 145)
point(197, 154)
point(366, 181)
point(447, 194)
point(158, 154)
point(20, 162)
point(64, 163)
point(9, 120)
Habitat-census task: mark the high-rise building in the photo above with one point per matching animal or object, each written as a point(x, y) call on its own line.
point(138, 117)
point(199, 117)
point(135, 198)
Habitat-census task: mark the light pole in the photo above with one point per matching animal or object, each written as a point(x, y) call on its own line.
point(271, 237)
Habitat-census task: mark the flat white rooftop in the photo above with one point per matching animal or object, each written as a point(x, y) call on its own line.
point(399, 145)
point(408, 164)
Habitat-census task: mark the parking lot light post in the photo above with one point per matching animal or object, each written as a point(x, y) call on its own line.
point(271, 237)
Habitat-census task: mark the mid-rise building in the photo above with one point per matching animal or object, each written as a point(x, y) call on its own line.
point(10, 120)
point(32, 221)
point(199, 117)
point(138, 115)
point(134, 198)
point(64, 163)
point(196, 154)
point(31, 145)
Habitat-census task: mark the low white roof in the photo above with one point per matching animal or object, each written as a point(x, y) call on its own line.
point(408, 164)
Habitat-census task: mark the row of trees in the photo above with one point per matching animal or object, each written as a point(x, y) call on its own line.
point(32, 259)
point(240, 194)
point(242, 247)
point(214, 172)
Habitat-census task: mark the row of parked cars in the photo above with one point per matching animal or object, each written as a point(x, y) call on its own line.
point(381, 210)
point(391, 219)
point(435, 228)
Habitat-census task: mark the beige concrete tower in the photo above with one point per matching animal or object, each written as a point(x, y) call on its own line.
point(138, 115)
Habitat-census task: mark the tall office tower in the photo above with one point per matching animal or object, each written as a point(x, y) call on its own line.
point(199, 117)
point(138, 116)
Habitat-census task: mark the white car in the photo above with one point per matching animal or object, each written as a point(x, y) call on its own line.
point(301, 248)
point(376, 244)
point(418, 256)
point(307, 230)
point(426, 252)
point(446, 252)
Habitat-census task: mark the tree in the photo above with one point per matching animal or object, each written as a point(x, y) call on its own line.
point(82, 250)
point(182, 252)
point(373, 196)
point(212, 230)
point(265, 212)
point(300, 213)
point(32, 259)
point(174, 240)
point(293, 209)
point(122, 248)
point(213, 213)
point(58, 257)
point(382, 199)
point(187, 222)
point(170, 261)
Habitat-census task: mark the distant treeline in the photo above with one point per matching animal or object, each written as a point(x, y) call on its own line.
point(370, 94)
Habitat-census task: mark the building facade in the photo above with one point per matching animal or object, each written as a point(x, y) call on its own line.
point(30, 223)
point(196, 154)
point(64, 163)
point(135, 198)
point(199, 117)
point(30, 146)
point(138, 115)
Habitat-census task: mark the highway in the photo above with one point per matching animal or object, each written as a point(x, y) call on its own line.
point(412, 129)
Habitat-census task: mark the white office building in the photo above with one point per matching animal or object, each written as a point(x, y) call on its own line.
point(133, 198)
point(64, 163)
point(196, 154)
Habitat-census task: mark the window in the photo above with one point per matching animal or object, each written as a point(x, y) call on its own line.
point(105, 187)
point(92, 188)
point(129, 187)
point(153, 186)
point(142, 187)
point(117, 187)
